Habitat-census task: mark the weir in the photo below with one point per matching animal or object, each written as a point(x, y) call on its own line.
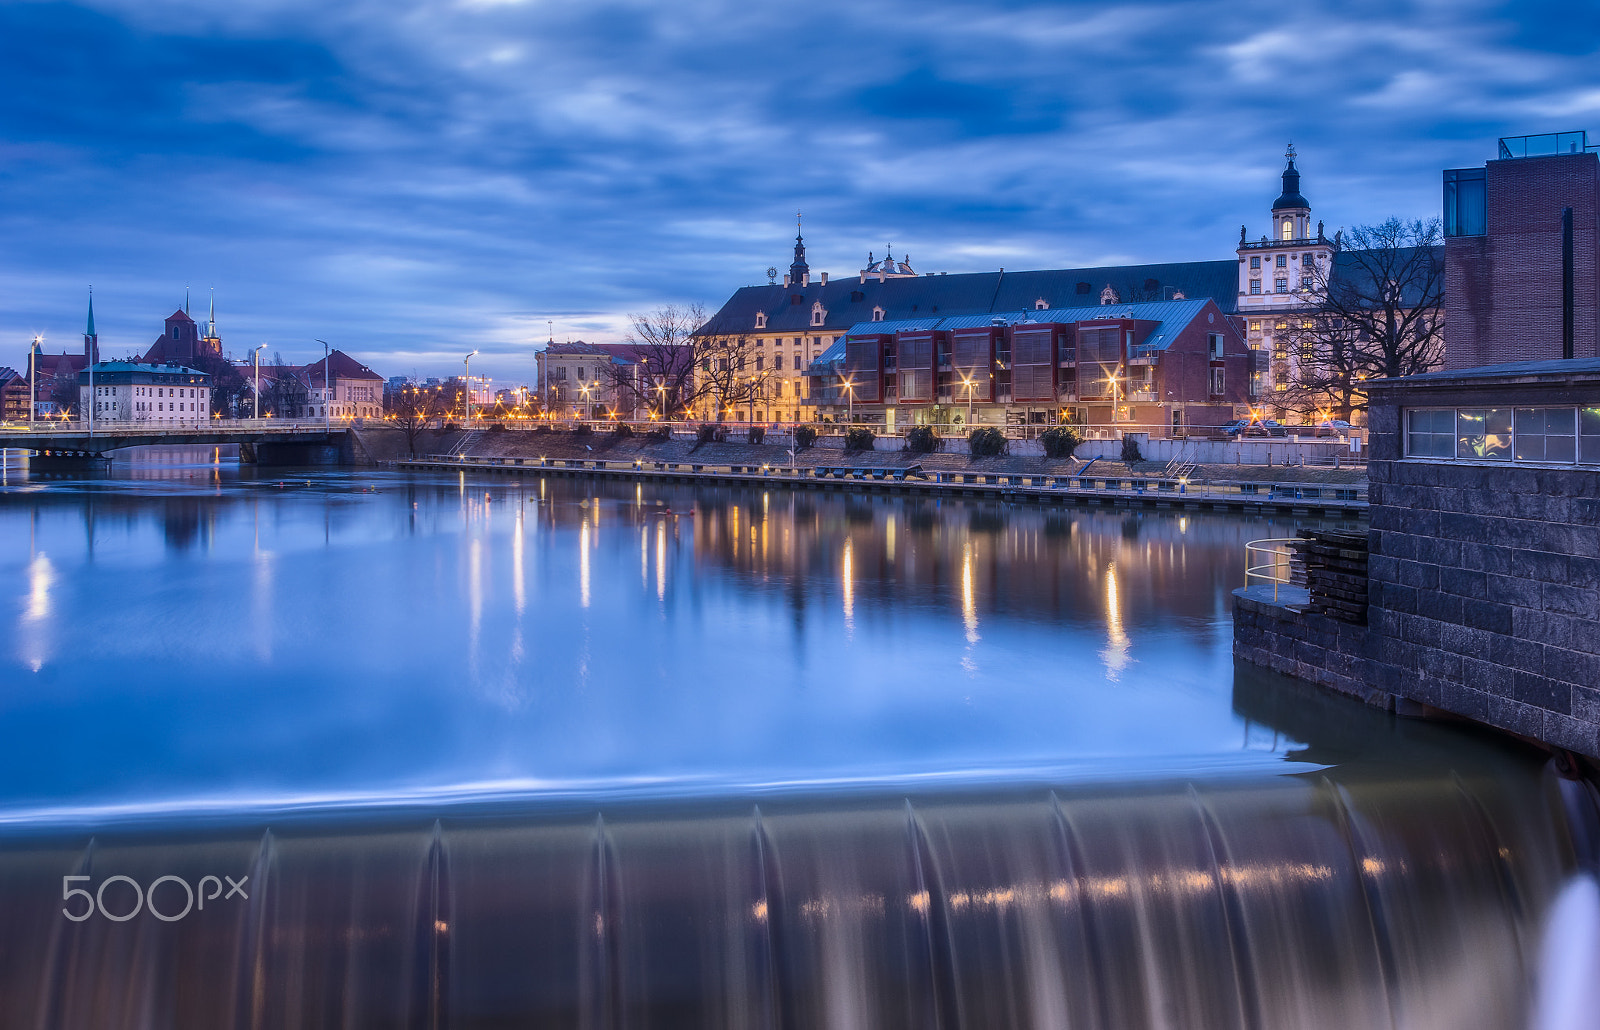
point(1326, 900)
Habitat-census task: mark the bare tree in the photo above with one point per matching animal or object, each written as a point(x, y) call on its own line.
point(661, 376)
point(1380, 315)
point(411, 408)
point(729, 371)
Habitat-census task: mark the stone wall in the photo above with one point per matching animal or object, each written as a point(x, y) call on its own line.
point(1315, 648)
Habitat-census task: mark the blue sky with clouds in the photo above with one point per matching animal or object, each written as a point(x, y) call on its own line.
point(413, 179)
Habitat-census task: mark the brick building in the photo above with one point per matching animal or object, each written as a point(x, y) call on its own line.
point(1521, 253)
point(1164, 365)
point(13, 395)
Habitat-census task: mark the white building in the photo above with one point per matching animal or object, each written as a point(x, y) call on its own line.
point(127, 391)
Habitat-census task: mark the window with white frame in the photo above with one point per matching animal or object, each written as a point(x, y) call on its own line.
point(1537, 435)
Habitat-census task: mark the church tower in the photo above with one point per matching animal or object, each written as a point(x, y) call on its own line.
point(211, 342)
point(1291, 212)
point(799, 271)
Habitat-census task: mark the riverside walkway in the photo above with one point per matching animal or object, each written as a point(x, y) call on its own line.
point(1333, 501)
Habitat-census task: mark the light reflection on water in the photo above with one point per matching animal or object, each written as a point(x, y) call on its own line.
point(194, 630)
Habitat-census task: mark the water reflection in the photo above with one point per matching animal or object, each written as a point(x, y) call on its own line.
point(384, 632)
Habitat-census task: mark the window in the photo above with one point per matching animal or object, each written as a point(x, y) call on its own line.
point(1255, 328)
point(1465, 202)
point(1483, 433)
point(1084, 289)
point(1040, 305)
point(1218, 381)
point(1255, 262)
point(1305, 282)
point(1430, 434)
point(877, 314)
point(1255, 384)
point(1287, 232)
point(1283, 261)
point(797, 362)
point(760, 361)
point(819, 314)
point(761, 319)
point(1546, 434)
point(1282, 284)
point(1214, 345)
point(1308, 260)
point(1255, 285)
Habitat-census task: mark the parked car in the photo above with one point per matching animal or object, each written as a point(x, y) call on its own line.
point(1333, 427)
point(1271, 427)
point(1235, 428)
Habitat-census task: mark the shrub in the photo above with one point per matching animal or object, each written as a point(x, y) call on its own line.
point(859, 439)
point(660, 433)
point(1130, 450)
point(986, 442)
point(498, 427)
point(583, 430)
point(1060, 442)
point(622, 431)
point(804, 436)
point(923, 440)
point(451, 427)
point(757, 434)
point(711, 434)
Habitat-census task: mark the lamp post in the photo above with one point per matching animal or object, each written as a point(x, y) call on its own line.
point(967, 382)
point(255, 358)
point(588, 406)
point(466, 376)
point(33, 378)
point(850, 396)
point(327, 380)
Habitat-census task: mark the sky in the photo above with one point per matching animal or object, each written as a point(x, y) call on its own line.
point(414, 179)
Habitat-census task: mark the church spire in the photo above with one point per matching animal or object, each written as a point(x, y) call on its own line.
point(211, 329)
point(799, 271)
point(91, 340)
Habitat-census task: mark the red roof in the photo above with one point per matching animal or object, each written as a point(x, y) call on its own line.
point(343, 366)
point(180, 316)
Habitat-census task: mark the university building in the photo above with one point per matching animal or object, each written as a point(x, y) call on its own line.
point(129, 391)
point(795, 332)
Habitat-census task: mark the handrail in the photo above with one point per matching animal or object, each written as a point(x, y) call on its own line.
point(1275, 571)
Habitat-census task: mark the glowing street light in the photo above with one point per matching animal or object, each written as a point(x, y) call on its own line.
point(969, 384)
point(850, 393)
point(466, 376)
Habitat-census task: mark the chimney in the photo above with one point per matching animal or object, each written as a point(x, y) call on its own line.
point(786, 282)
point(824, 278)
point(863, 278)
point(805, 278)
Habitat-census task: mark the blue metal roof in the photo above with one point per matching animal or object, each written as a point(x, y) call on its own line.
point(1173, 315)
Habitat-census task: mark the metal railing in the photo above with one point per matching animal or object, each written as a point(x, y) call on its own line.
point(186, 427)
point(1271, 557)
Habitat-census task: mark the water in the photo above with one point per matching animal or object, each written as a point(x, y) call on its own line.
point(498, 751)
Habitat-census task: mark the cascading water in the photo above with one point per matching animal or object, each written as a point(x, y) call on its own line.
point(1315, 901)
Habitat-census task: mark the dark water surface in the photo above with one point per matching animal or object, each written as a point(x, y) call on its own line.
point(182, 632)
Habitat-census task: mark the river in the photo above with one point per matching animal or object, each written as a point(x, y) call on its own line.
point(551, 752)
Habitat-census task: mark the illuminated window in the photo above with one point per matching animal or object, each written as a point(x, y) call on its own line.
point(1288, 229)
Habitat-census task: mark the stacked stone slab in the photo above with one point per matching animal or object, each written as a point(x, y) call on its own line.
point(1335, 574)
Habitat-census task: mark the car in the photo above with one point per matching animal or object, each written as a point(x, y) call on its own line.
point(1334, 427)
point(1272, 427)
point(1235, 428)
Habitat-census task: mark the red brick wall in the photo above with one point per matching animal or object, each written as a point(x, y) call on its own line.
point(1503, 290)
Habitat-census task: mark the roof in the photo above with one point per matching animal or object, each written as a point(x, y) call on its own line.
point(575, 347)
point(180, 315)
point(102, 368)
point(1561, 368)
point(969, 293)
point(1171, 316)
point(341, 366)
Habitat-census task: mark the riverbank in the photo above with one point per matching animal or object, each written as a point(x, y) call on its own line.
point(381, 445)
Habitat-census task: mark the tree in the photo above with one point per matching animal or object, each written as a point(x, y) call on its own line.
point(682, 363)
point(411, 408)
point(1379, 316)
point(228, 387)
point(661, 376)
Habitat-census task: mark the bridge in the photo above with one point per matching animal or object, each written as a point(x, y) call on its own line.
point(79, 440)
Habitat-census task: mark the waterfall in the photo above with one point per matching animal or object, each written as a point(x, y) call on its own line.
point(1315, 901)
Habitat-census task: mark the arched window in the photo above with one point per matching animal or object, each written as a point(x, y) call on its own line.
point(1041, 304)
point(819, 314)
point(1288, 228)
point(761, 319)
point(877, 314)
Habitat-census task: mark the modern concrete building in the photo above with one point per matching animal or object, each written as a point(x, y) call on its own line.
point(1521, 253)
point(127, 391)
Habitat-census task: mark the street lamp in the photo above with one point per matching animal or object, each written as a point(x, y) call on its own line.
point(967, 382)
point(466, 375)
point(588, 407)
point(255, 358)
point(33, 377)
point(327, 379)
point(850, 394)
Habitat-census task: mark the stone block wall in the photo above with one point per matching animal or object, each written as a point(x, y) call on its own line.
point(1315, 648)
point(1484, 586)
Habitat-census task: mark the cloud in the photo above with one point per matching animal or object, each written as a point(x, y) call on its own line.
point(421, 177)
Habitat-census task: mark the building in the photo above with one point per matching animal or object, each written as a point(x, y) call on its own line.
point(1278, 278)
point(342, 385)
point(128, 391)
point(575, 379)
point(13, 395)
point(55, 376)
point(1522, 251)
point(1164, 366)
point(182, 341)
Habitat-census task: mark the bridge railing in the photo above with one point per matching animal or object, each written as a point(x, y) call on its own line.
point(133, 427)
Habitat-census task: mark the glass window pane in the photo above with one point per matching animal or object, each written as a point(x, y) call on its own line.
point(1559, 448)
